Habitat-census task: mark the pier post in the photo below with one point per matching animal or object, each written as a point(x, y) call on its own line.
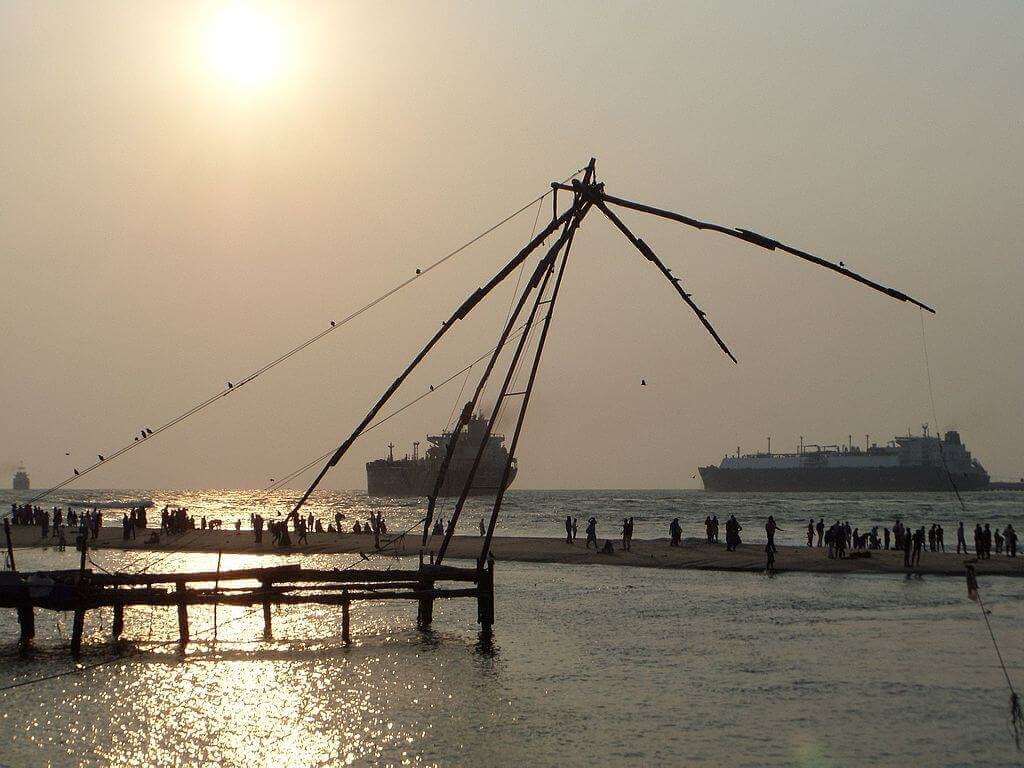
point(267, 629)
point(77, 627)
point(425, 610)
point(26, 622)
point(182, 613)
point(117, 628)
point(485, 596)
point(345, 618)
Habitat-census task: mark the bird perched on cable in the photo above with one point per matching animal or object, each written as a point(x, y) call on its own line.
point(142, 432)
point(431, 387)
point(76, 471)
point(230, 385)
point(418, 271)
point(148, 431)
point(333, 323)
point(643, 382)
point(100, 455)
point(136, 439)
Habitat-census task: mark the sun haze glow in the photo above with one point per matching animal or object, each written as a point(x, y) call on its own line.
point(245, 45)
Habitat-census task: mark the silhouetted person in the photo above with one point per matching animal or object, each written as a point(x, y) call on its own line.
point(575, 528)
point(820, 527)
point(886, 534)
point(906, 551)
point(810, 533)
point(960, 540)
point(568, 529)
point(987, 537)
point(732, 533)
point(919, 535)
point(483, 528)
point(592, 532)
point(675, 532)
point(770, 528)
point(769, 553)
point(1011, 541)
point(999, 541)
point(979, 541)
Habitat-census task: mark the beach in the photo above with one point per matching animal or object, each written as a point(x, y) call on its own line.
point(693, 554)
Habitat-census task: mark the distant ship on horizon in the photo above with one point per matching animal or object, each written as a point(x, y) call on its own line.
point(908, 463)
point(20, 481)
point(416, 475)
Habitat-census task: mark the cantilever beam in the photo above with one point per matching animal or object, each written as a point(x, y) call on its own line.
point(464, 309)
point(750, 237)
point(676, 283)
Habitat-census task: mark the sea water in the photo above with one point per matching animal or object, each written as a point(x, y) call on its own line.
point(589, 665)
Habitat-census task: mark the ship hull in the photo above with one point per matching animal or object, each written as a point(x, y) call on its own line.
point(417, 478)
point(892, 479)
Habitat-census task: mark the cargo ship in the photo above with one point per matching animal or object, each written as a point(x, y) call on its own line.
point(910, 463)
point(416, 475)
point(20, 481)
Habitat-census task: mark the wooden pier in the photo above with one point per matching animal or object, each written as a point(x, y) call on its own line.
point(84, 590)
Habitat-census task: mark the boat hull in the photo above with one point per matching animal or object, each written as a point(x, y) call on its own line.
point(892, 479)
point(417, 478)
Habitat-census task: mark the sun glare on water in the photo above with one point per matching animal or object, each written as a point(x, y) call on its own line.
point(245, 45)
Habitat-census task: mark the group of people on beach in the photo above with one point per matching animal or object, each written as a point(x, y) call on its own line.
point(53, 524)
point(840, 537)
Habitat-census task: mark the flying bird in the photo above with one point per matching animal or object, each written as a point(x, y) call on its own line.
point(67, 453)
point(643, 382)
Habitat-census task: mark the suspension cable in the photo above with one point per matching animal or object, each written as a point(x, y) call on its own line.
point(286, 355)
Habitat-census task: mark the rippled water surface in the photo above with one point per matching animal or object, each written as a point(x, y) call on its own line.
point(590, 665)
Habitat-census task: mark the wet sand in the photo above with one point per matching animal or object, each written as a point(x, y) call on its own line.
point(647, 553)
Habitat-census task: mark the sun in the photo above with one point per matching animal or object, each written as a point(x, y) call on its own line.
point(245, 45)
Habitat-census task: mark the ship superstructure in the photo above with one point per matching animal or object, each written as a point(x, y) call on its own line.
point(415, 475)
point(20, 481)
point(908, 463)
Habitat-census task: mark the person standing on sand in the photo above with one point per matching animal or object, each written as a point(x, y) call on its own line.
point(575, 528)
point(625, 533)
point(960, 540)
point(675, 532)
point(483, 529)
point(1011, 540)
point(885, 533)
point(821, 530)
point(810, 532)
point(940, 538)
point(770, 528)
point(979, 541)
point(919, 535)
point(708, 529)
point(988, 542)
point(769, 552)
point(732, 533)
point(568, 529)
point(592, 532)
point(906, 551)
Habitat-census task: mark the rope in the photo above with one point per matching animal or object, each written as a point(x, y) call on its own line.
point(293, 351)
point(467, 369)
point(1016, 715)
point(935, 418)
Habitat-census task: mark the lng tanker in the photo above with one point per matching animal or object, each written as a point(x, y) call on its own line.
point(910, 463)
point(416, 475)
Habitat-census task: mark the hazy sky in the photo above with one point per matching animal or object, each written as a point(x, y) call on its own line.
point(188, 191)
